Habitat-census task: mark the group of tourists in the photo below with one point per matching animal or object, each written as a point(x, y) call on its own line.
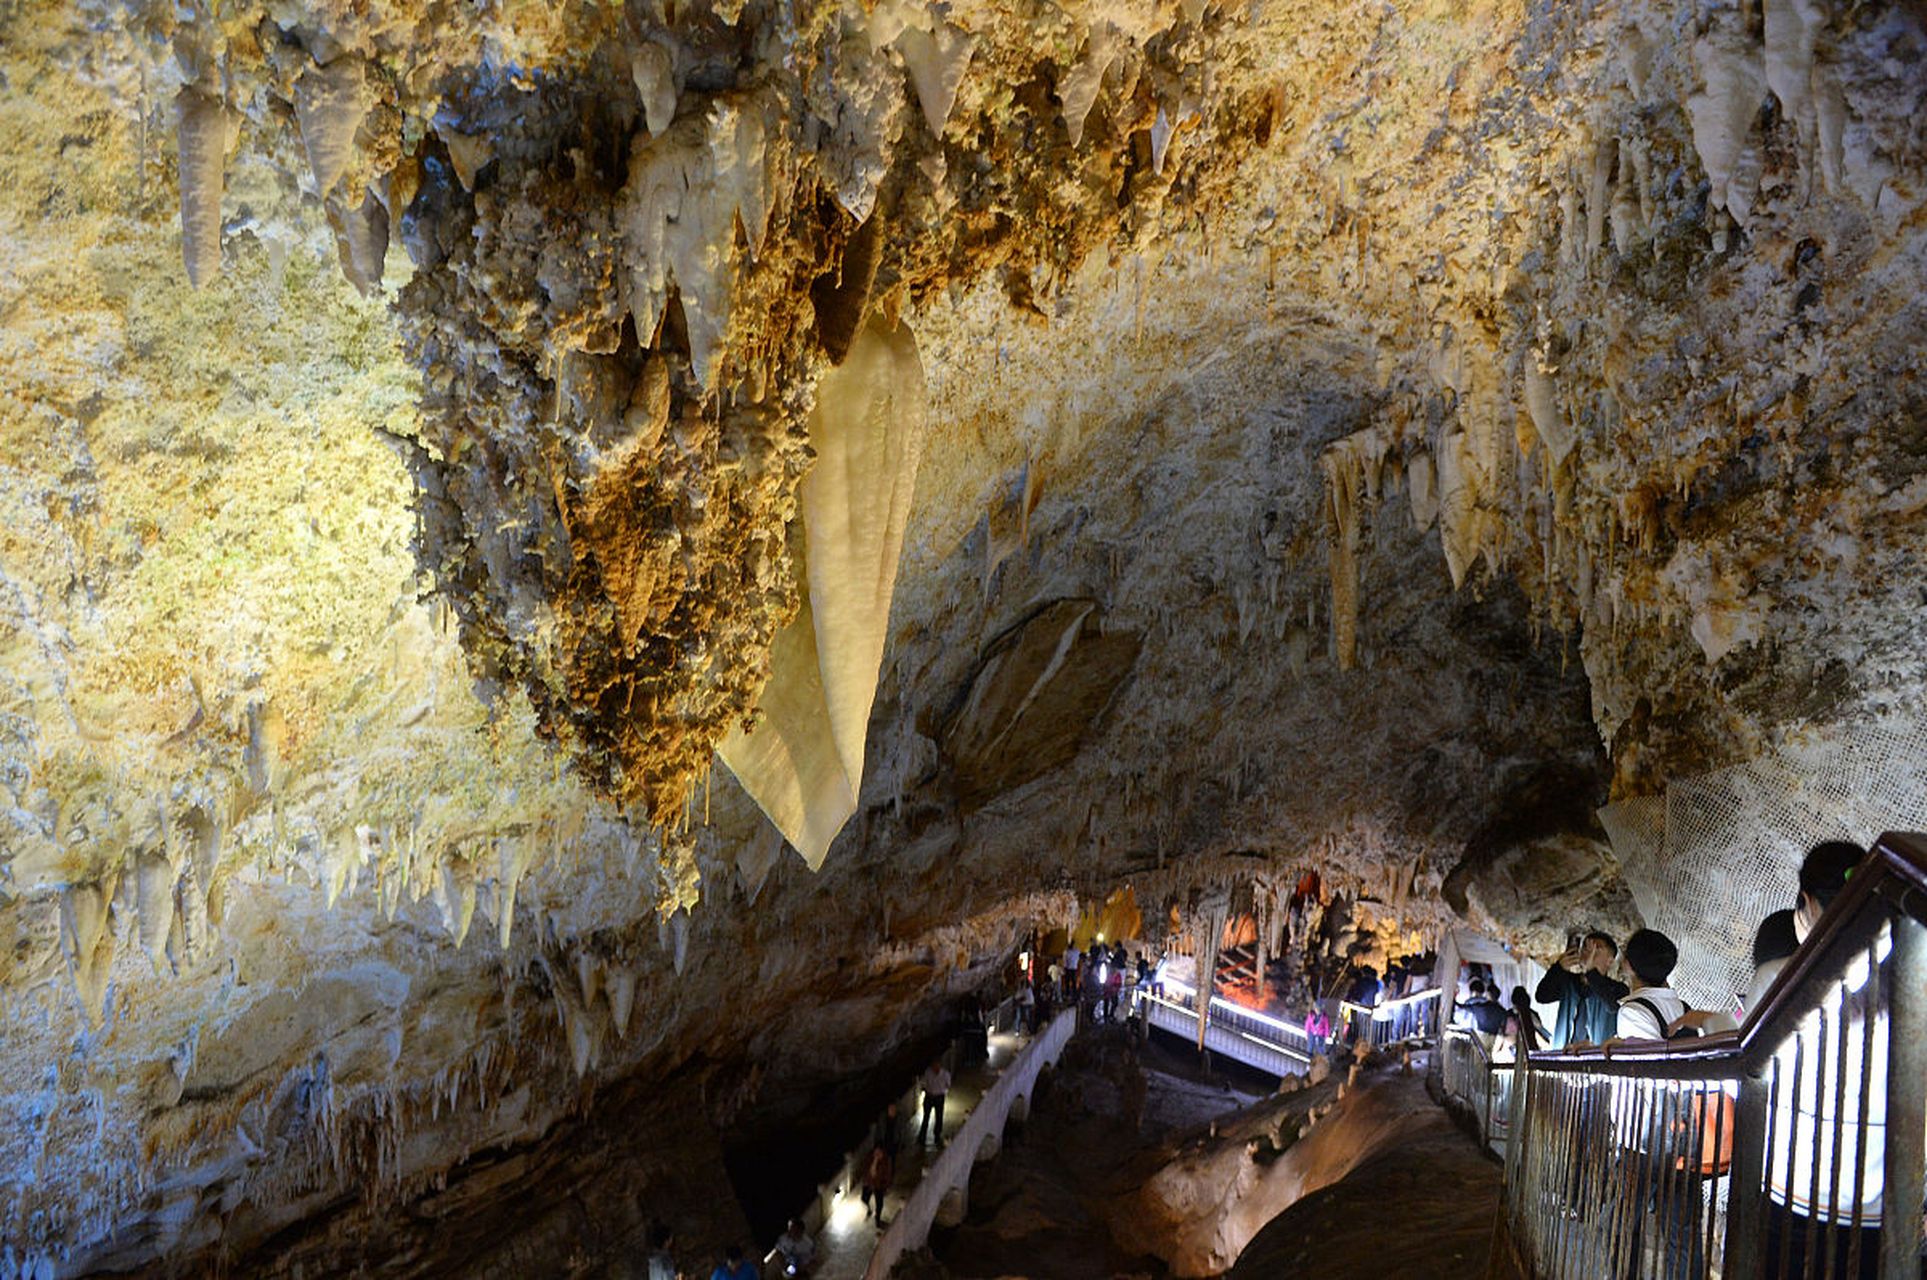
point(1818, 1201)
point(1097, 979)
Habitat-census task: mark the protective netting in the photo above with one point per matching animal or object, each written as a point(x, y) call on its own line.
point(1716, 854)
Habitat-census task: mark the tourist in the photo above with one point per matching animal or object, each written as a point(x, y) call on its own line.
point(1588, 998)
point(796, 1249)
point(1318, 1029)
point(1773, 945)
point(1114, 985)
point(1823, 874)
point(1522, 1022)
point(1463, 1014)
point(1026, 1008)
point(1815, 1145)
point(661, 1265)
point(1649, 1008)
point(735, 1266)
point(1057, 980)
point(936, 1084)
point(1648, 1136)
point(878, 1173)
point(887, 1136)
point(1072, 958)
point(1482, 1011)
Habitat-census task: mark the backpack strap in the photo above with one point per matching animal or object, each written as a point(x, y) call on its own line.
point(1652, 1009)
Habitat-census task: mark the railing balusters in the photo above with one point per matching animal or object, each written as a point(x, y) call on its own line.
point(1815, 1144)
point(1722, 1134)
point(1873, 1004)
point(1798, 1063)
point(1561, 1190)
point(1836, 1140)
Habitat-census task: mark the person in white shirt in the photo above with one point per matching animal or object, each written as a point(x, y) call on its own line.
point(1666, 1224)
point(1825, 1172)
point(662, 1265)
point(796, 1249)
point(936, 1083)
point(1650, 1007)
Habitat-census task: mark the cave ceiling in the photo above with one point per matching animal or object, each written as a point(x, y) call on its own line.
point(1031, 447)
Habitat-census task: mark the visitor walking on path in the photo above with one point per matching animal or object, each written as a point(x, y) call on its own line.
point(878, 1174)
point(661, 1265)
point(936, 1084)
point(1318, 1029)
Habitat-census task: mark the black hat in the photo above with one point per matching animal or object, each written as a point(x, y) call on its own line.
point(1652, 955)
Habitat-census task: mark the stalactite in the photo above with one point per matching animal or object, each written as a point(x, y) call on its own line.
point(204, 132)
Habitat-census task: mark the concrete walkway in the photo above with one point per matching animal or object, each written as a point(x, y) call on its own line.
point(849, 1235)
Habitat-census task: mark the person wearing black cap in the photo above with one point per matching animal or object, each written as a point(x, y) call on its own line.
point(1650, 1007)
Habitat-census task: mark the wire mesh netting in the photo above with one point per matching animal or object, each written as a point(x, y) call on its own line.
point(1715, 855)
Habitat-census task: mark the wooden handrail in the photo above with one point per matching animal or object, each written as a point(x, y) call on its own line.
point(1893, 878)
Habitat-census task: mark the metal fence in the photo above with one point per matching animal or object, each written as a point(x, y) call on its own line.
point(1479, 1086)
point(1248, 1035)
point(1796, 1147)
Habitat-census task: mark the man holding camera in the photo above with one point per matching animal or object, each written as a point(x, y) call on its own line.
point(1587, 997)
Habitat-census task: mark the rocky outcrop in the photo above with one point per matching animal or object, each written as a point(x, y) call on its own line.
point(1220, 1188)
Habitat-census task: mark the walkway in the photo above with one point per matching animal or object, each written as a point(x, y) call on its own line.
point(1245, 1035)
point(849, 1236)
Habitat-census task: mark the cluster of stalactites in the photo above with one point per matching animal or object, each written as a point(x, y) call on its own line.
point(1501, 435)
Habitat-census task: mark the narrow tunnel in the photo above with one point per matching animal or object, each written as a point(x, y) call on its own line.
point(1304, 614)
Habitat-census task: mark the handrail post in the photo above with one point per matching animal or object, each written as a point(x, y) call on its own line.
point(1906, 1153)
point(1746, 1199)
point(1515, 1125)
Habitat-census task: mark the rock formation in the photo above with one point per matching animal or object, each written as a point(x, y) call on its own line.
point(1042, 448)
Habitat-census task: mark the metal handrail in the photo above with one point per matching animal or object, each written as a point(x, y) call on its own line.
point(1227, 1017)
point(1696, 1137)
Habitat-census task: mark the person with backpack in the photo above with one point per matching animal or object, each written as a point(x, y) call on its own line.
point(1650, 1006)
point(1665, 1223)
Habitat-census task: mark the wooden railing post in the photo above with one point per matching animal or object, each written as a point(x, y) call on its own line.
point(1906, 1153)
point(1746, 1199)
